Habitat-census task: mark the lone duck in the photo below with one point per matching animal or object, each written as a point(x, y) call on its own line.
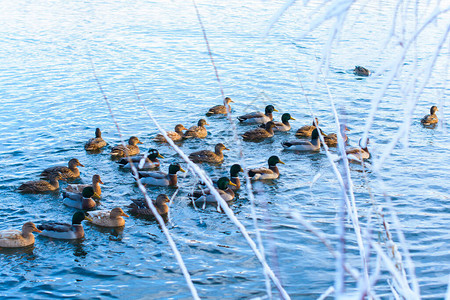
point(97, 143)
point(67, 173)
point(140, 207)
point(361, 71)
point(266, 173)
point(258, 117)
point(209, 156)
point(41, 186)
point(306, 131)
point(160, 178)
point(130, 150)
point(106, 218)
point(13, 238)
point(141, 162)
point(78, 188)
point(198, 131)
point(81, 201)
point(220, 109)
point(358, 154)
point(259, 134)
point(175, 136)
point(431, 118)
point(65, 231)
point(303, 145)
point(224, 191)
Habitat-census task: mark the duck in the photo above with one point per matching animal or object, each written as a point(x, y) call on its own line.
point(142, 162)
point(198, 131)
point(130, 150)
point(78, 188)
point(97, 143)
point(303, 145)
point(208, 156)
point(220, 109)
point(331, 139)
point(259, 134)
point(108, 218)
point(266, 173)
point(234, 177)
point(358, 154)
point(160, 178)
point(81, 201)
point(67, 173)
point(284, 125)
point(258, 117)
point(361, 71)
point(431, 118)
point(12, 238)
point(140, 207)
point(65, 231)
point(306, 131)
point(224, 191)
point(175, 136)
point(41, 186)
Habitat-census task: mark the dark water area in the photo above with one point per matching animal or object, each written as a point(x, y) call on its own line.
point(51, 105)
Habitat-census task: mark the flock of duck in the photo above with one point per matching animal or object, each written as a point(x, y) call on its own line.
point(84, 197)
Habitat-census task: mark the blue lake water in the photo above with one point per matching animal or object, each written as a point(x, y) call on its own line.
point(51, 105)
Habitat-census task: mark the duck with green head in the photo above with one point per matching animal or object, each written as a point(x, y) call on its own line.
point(160, 178)
point(67, 173)
point(220, 109)
point(97, 143)
point(304, 145)
point(65, 231)
point(81, 201)
point(12, 238)
point(208, 156)
point(258, 117)
point(129, 150)
point(284, 125)
point(223, 189)
point(266, 173)
point(140, 207)
point(259, 134)
point(142, 161)
point(106, 218)
point(198, 131)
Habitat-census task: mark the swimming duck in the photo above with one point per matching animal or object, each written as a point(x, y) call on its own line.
point(303, 145)
point(41, 186)
point(160, 178)
point(198, 131)
point(81, 201)
point(258, 117)
point(306, 131)
point(220, 109)
point(140, 206)
point(209, 156)
point(65, 231)
point(234, 176)
point(225, 192)
point(361, 71)
point(13, 238)
point(78, 188)
point(130, 150)
point(358, 154)
point(97, 143)
point(284, 125)
point(106, 218)
point(331, 139)
point(142, 162)
point(260, 133)
point(266, 173)
point(67, 173)
point(431, 118)
point(175, 136)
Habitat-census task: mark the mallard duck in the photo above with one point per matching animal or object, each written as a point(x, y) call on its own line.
point(306, 131)
point(198, 131)
point(78, 188)
point(331, 139)
point(258, 117)
point(361, 71)
point(266, 173)
point(13, 238)
point(303, 145)
point(97, 143)
point(140, 206)
point(175, 136)
point(160, 178)
point(130, 150)
point(65, 231)
point(142, 162)
point(41, 186)
point(358, 154)
point(234, 176)
point(106, 218)
point(81, 201)
point(258, 134)
point(220, 109)
point(209, 156)
point(284, 124)
point(431, 118)
point(67, 173)
point(224, 191)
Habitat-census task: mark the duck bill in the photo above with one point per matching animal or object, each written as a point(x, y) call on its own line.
point(140, 142)
point(292, 118)
point(182, 170)
point(281, 162)
point(160, 156)
point(88, 218)
point(80, 165)
point(226, 149)
point(124, 215)
point(231, 183)
point(275, 109)
point(37, 230)
point(96, 196)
